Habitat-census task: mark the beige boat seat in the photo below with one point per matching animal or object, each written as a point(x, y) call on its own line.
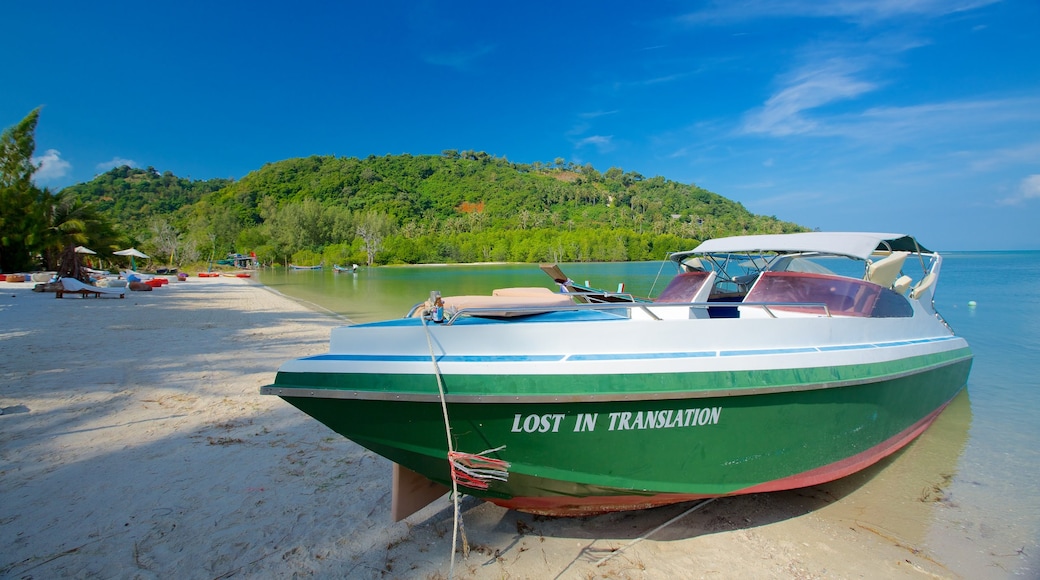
point(922, 286)
point(902, 284)
point(507, 302)
point(885, 271)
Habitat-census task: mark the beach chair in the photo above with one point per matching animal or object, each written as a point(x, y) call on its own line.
point(73, 286)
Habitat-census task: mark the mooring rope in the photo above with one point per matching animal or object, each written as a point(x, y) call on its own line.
point(457, 518)
point(696, 507)
point(473, 470)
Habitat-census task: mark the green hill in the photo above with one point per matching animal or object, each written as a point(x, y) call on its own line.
point(456, 207)
point(135, 195)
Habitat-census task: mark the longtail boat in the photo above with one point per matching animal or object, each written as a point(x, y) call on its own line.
point(769, 362)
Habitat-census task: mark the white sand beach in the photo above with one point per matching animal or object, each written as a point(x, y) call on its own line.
point(134, 443)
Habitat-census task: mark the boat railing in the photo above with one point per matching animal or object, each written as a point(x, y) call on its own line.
point(622, 309)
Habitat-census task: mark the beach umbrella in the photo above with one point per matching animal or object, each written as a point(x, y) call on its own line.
point(84, 250)
point(132, 252)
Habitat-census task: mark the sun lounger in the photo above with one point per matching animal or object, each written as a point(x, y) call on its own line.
point(73, 286)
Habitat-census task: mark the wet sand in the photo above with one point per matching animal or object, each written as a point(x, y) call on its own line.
point(135, 444)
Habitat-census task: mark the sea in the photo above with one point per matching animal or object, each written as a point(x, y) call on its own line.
point(966, 494)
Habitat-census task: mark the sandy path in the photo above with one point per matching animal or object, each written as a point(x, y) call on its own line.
point(134, 444)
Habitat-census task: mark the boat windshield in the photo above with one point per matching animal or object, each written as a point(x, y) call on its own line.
point(737, 272)
point(836, 281)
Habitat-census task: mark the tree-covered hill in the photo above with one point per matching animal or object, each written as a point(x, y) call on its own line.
point(134, 195)
point(455, 207)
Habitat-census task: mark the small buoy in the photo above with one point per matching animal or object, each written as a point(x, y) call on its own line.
point(971, 304)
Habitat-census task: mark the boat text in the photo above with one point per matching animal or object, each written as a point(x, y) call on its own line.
point(619, 421)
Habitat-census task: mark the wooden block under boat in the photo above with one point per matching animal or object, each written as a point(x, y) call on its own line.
point(412, 492)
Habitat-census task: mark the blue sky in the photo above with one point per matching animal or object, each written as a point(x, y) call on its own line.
point(915, 116)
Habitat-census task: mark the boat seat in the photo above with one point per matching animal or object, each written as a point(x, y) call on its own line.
point(885, 271)
point(922, 287)
point(694, 265)
point(902, 284)
point(507, 302)
point(524, 291)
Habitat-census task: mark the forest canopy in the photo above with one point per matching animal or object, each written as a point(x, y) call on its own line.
point(463, 206)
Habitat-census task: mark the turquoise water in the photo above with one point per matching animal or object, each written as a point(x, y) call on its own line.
point(388, 292)
point(966, 493)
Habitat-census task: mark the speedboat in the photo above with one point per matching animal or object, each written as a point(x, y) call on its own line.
point(769, 362)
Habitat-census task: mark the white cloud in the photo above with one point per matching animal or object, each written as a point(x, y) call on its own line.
point(806, 89)
point(1025, 153)
point(864, 11)
point(602, 142)
point(51, 166)
point(115, 162)
point(595, 114)
point(461, 60)
point(976, 122)
point(1028, 189)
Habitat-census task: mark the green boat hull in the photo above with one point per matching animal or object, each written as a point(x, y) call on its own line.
point(573, 454)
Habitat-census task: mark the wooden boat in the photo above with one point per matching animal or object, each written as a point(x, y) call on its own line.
point(295, 267)
point(341, 269)
point(766, 364)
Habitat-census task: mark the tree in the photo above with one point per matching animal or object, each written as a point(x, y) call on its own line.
point(23, 206)
point(71, 222)
point(164, 238)
point(372, 228)
point(425, 208)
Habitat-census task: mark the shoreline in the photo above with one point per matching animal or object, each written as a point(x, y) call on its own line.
point(135, 443)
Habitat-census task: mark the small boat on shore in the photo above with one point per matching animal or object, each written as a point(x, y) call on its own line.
point(769, 362)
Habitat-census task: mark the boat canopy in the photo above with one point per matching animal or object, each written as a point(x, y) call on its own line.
point(853, 244)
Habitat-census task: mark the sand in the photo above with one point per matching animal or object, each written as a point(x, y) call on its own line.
point(134, 443)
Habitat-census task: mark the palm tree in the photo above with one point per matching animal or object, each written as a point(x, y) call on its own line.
point(73, 222)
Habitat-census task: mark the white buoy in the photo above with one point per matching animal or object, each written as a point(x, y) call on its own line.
point(971, 304)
